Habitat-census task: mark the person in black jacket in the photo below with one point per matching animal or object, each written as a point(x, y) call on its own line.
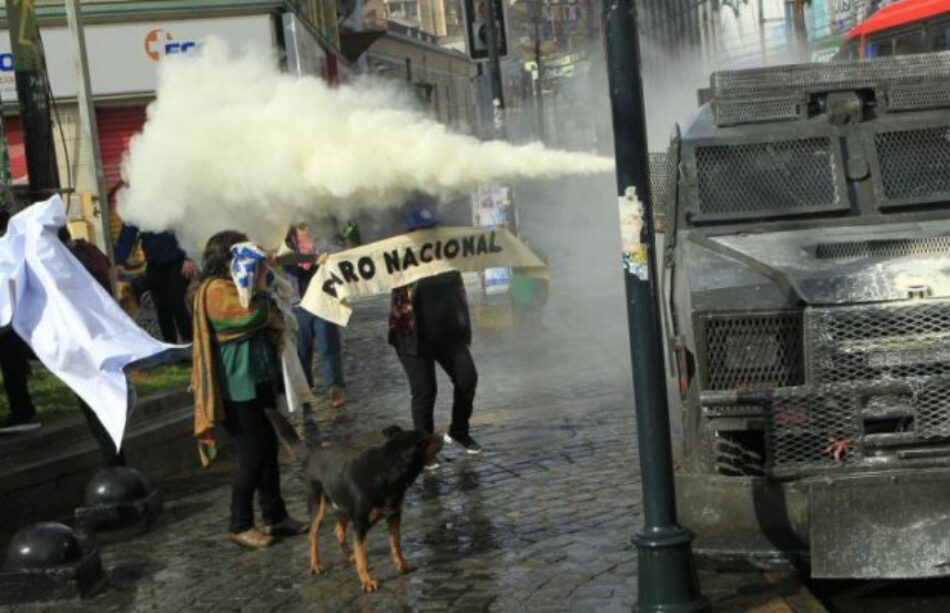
point(429, 324)
point(168, 272)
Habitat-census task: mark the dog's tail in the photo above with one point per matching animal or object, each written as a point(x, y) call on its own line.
point(287, 434)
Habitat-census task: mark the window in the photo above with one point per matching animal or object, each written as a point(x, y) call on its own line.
point(910, 43)
point(879, 48)
point(938, 37)
point(847, 51)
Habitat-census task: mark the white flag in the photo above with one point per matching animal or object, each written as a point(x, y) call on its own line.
point(73, 325)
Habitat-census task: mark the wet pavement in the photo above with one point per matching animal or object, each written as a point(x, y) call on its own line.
point(542, 517)
point(541, 521)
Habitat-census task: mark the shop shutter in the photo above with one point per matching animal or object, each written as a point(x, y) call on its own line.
point(117, 126)
point(14, 140)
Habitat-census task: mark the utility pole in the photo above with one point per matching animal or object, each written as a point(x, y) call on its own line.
point(666, 575)
point(87, 122)
point(494, 75)
point(538, 84)
point(33, 95)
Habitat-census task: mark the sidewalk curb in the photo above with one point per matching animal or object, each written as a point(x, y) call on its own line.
point(49, 477)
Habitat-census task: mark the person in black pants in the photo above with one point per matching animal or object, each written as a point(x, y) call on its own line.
point(15, 367)
point(14, 356)
point(236, 374)
point(429, 324)
point(255, 445)
point(168, 272)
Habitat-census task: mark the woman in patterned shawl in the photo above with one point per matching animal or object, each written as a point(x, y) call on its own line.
point(235, 377)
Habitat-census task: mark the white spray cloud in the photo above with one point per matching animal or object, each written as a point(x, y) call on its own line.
point(233, 143)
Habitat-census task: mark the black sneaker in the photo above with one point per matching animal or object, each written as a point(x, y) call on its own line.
point(14, 424)
point(465, 441)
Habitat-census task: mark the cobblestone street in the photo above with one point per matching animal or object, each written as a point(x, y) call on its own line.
point(541, 521)
point(543, 517)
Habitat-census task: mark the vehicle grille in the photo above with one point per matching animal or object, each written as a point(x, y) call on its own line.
point(766, 179)
point(661, 175)
point(914, 163)
point(750, 351)
point(932, 409)
point(927, 95)
point(812, 427)
point(838, 425)
point(732, 112)
point(830, 76)
point(894, 247)
point(878, 341)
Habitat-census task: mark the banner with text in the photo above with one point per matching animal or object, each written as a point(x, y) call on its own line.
point(379, 267)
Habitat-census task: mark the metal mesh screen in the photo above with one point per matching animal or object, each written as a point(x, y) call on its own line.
point(827, 76)
point(872, 342)
point(808, 427)
point(766, 179)
point(748, 111)
point(884, 248)
point(752, 351)
point(932, 409)
point(660, 177)
point(914, 163)
point(931, 95)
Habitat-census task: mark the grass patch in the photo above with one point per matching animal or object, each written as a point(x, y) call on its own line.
point(53, 400)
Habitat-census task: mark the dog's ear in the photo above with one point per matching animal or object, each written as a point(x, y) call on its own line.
point(392, 431)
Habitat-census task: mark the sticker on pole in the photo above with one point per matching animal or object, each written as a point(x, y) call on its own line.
point(631, 226)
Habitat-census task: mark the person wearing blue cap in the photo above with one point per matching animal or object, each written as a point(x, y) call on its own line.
point(429, 324)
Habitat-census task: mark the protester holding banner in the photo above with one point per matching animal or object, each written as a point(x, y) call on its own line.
point(311, 328)
point(429, 323)
point(235, 377)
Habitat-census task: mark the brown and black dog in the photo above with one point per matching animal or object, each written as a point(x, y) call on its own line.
point(362, 483)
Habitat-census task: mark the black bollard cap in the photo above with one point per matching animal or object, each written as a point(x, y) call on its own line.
point(115, 485)
point(43, 545)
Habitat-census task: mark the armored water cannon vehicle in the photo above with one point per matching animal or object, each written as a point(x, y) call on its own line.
point(806, 310)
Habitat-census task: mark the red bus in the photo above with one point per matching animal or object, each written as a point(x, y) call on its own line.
point(901, 28)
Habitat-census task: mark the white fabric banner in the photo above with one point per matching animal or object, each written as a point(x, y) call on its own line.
point(74, 326)
point(381, 266)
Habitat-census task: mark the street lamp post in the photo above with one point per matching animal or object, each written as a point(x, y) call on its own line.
point(666, 575)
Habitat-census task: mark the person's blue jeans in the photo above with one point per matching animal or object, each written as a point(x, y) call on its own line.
point(326, 335)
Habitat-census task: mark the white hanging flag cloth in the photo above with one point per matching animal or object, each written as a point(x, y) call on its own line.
point(75, 328)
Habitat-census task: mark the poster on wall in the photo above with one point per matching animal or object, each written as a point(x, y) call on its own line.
point(491, 208)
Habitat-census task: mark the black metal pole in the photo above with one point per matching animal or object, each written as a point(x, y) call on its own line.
point(29, 66)
point(539, 83)
point(666, 575)
point(494, 72)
